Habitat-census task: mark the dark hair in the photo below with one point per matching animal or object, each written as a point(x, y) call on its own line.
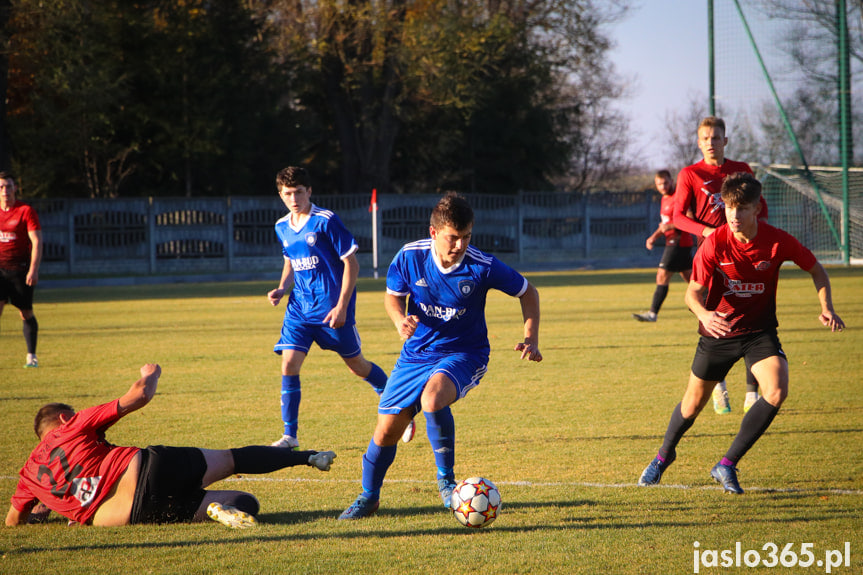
point(452, 210)
point(663, 174)
point(740, 188)
point(4, 175)
point(293, 177)
point(48, 415)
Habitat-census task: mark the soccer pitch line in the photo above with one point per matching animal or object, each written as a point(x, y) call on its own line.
point(583, 484)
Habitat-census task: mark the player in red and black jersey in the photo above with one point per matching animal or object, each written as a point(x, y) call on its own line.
point(20, 256)
point(699, 210)
point(733, 294)
point(677, 256)
point(77, 473)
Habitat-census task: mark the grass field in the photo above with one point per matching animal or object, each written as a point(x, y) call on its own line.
point(565, 440)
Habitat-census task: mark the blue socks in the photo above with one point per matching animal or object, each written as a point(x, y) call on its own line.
point(290, 403)
point(376, 461)
point(440, 428)
point(377, 379)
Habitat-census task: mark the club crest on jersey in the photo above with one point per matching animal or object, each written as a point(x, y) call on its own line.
point(761, 266)
point(311, 238)
point(466, 287)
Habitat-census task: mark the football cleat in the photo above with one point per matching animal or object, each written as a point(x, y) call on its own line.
point(409, 432)
point(727, 476)
point(446, 485)
point(652, 474)
point(31, 361)
point(720, 399)
point(287, 441)
point(322, 460)
point(647, 316)
point(362, 507)
point(751, 398)
point(230, 516)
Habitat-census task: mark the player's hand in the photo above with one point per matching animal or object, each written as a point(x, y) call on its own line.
point(832, 320)
point(32, 278)
point(150, 370)
point(408, 326)
point(322, 460)
point(649, 243)
point(275, 296)
point(715, 324)
point(336, 318)
point(529, 351)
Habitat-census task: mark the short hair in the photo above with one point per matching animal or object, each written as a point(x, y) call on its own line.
point(740, 188)
point(663, 174)
point(711, 122)
point(293, 177)
point(48, 415)
point(4, 175)
point(452, 210)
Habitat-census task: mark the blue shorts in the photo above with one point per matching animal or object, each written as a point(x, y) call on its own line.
point(345, 340)
point(408, 379)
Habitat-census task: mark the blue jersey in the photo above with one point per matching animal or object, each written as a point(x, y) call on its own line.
point(450, 303)
point(316, 251)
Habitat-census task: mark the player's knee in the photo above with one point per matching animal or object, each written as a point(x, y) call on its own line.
point(242, 501)
point(775, 396)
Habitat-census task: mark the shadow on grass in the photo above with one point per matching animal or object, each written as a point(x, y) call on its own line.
point(616, 516)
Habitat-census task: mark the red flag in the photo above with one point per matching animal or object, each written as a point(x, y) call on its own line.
point(374, 205)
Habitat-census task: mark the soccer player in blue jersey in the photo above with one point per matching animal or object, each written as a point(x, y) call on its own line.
point(321, 263)
point(436, 293)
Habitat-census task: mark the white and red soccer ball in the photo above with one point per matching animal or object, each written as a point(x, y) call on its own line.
point(475, 502)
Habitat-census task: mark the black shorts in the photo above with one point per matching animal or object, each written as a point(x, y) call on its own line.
point(169, 485)
point(14, 288)
point(676, 258)
point(715, 357)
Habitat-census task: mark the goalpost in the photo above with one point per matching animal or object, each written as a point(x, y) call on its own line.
point(756, 87)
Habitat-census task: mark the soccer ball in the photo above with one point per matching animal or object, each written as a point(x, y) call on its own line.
point(475, 502)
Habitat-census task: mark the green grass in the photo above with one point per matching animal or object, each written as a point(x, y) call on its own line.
point(565, 440)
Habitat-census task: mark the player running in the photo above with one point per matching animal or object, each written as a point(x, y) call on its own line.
point(677, 255)
point(698, 209)
point(320, 261)
point(436, 294)
point(733, 293)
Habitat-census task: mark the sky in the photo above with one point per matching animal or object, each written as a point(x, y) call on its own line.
point(662, 50)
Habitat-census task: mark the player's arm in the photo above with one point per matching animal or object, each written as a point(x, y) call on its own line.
point(276, 295)
point(714, 322)
point(680, 216)
point(35, 257)
point(15, 517)
point(651, 239)
point(828, 317)
point(338, 315)
point(396, 308)
point(142, 391)
point(529, 348)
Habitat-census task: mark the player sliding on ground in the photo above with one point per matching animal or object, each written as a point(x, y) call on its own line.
point(733, 293)
point(77, 473)
point(446, 349)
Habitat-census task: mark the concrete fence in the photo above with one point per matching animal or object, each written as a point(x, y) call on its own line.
point(159, 236)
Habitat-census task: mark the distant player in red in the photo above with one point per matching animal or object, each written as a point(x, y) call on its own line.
point(733, 294)
point(677, 256)
point(75, 472)
point(698, 209)
point(20, 256)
